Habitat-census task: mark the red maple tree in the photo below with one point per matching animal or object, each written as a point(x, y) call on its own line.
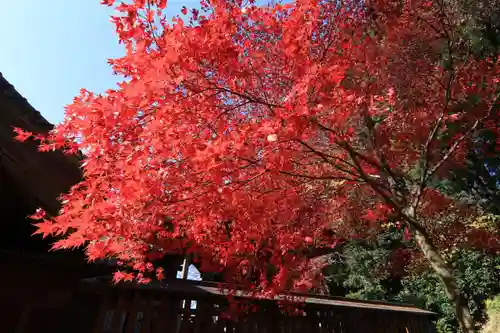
point(253, 135)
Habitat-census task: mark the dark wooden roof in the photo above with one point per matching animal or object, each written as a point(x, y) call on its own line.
point(42, 176)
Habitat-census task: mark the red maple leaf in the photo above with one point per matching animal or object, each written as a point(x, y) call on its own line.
point(21, 134)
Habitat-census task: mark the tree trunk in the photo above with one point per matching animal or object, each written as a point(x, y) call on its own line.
point(445, 273)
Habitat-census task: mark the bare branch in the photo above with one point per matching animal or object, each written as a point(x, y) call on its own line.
point(326, 158)
point(326, 177)
point(425, 153)
point(463, 137)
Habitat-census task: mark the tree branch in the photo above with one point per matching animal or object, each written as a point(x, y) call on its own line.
point(331, 177)
point(326, 158)
point(467, 134)
point(425, 152)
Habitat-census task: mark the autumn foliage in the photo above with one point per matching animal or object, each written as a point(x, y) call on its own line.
point(251, 136)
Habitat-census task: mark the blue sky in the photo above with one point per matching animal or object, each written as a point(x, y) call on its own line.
point(52, 48)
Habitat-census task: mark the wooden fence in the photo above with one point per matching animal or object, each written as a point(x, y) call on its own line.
point(200, 307)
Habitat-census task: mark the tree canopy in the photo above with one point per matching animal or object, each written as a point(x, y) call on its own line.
point(252, 136)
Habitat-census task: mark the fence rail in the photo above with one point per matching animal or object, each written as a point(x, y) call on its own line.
point(194, 310)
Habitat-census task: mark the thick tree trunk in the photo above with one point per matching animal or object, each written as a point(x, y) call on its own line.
point(445, 273)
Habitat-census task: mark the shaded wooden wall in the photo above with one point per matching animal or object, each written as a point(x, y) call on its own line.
point(41, 176)
point(31, 278)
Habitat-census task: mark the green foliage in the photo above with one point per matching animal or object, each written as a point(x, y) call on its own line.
point(361, 272)
point(477, 181)
point(477, 25)
point(363, 268)
point(493, 305)
point(493, 311)
point(477, 277)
